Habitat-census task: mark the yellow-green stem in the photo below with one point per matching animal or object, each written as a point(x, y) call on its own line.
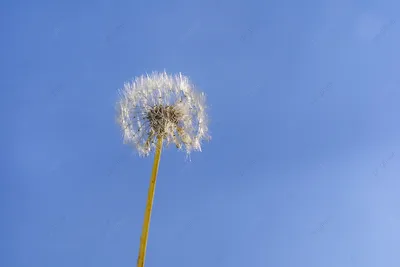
point(149, 205)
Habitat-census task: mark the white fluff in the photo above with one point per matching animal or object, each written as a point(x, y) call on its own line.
point(142, 96)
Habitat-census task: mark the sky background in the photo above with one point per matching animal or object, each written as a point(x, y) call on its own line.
point(303, 168)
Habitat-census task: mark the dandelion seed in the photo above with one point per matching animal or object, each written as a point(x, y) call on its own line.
point(162, 106)
point(157, 108)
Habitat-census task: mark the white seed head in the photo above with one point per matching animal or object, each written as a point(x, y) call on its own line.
point(165, 106)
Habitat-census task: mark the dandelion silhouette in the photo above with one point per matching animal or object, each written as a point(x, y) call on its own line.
point(159, 108)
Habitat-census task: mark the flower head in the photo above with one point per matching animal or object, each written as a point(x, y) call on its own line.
point(162, 106)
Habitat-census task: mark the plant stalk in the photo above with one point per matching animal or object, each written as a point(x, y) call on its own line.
point(149, 205)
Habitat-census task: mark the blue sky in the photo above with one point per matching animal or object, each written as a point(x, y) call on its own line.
point(303, 168)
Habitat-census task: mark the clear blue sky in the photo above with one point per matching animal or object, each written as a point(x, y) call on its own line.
point(303, 168)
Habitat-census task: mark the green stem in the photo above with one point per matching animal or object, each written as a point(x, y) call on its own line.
point(149, 206)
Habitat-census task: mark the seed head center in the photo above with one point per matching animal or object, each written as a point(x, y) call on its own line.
point(162, 118)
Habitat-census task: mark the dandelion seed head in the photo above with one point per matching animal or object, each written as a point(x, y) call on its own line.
point(165, 106)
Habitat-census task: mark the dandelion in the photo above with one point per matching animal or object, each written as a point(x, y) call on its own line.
point(160, 108)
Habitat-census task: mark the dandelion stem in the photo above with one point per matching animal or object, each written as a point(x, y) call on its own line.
point(149, 205)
